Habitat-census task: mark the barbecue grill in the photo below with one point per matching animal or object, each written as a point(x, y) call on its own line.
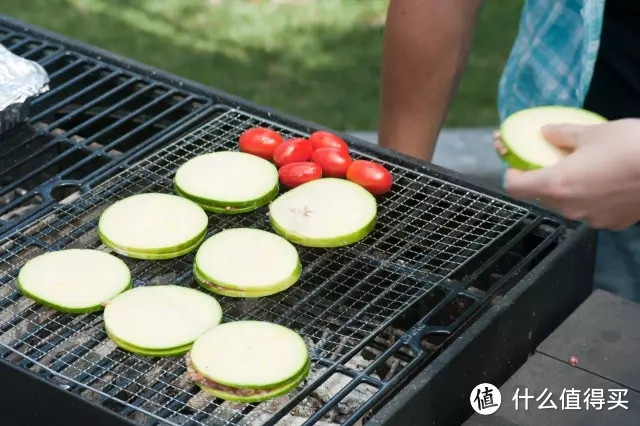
point(455, 287)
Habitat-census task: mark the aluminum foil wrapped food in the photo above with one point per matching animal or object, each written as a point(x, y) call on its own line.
point(20, 81)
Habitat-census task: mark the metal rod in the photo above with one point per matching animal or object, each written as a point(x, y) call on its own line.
point(17, 44)
point(149, 122)
point(78, 94)
point(119, 122)
point(66, 84)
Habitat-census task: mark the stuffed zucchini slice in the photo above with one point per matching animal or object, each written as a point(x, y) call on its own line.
point(161, 320)
point(245, 262)
point(153, 226)
point(227, 182)
point(248, 361)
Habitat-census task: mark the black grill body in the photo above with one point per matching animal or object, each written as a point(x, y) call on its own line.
point(456, 286)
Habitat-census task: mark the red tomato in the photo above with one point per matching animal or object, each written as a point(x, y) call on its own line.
point(374, 177)
point(259, 141)
point(294, 174)
point(334, 161)
point(323, 138)
point(292, 150)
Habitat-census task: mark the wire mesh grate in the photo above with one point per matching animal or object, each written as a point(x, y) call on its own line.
point(427, 229)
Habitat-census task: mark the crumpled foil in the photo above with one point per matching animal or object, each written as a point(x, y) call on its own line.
point(19, 78)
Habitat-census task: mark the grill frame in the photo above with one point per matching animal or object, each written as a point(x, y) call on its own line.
point(579, 234)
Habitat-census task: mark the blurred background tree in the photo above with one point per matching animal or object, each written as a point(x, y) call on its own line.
point(316, 59)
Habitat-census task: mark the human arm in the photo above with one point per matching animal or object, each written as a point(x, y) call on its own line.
point(598, 182)
point(425, 48)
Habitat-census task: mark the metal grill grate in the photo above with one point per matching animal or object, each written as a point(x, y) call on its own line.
point(94, 115)
point(427, 230)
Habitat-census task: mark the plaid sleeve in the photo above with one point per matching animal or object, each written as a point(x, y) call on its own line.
point(553, 56)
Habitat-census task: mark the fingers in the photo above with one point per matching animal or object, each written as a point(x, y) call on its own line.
point(500, 148)
point(498, 145)
point(564, 136)
point(528, 184)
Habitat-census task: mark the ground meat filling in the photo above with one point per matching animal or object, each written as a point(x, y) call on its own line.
point(200, 379)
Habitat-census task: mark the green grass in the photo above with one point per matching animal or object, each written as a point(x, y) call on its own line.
point(316, 59)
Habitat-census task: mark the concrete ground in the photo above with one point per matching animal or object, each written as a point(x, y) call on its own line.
point(467, 151)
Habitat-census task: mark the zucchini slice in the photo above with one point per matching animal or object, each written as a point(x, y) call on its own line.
point(152, 256)
point(527, 148)
point(227, 182)
point(180, 350)
point(213, 208)
point(248, 361)
point(160, 320)
point(153, 226)
point(245, 262)
point(327, 212)
point(74, 280)
point(223, 291)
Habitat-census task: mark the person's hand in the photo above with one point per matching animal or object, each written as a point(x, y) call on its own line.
point(598, 182)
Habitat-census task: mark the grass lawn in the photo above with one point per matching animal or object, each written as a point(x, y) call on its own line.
point(317, 59)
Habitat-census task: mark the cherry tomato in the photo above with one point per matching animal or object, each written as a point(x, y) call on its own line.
point(374, 177)
point(292, 150)
point(294, 174)
point(259, 141)
point(334, 161)
point(321, 138)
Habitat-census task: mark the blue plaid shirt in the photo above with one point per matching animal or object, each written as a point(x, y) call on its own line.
point(553, 56)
